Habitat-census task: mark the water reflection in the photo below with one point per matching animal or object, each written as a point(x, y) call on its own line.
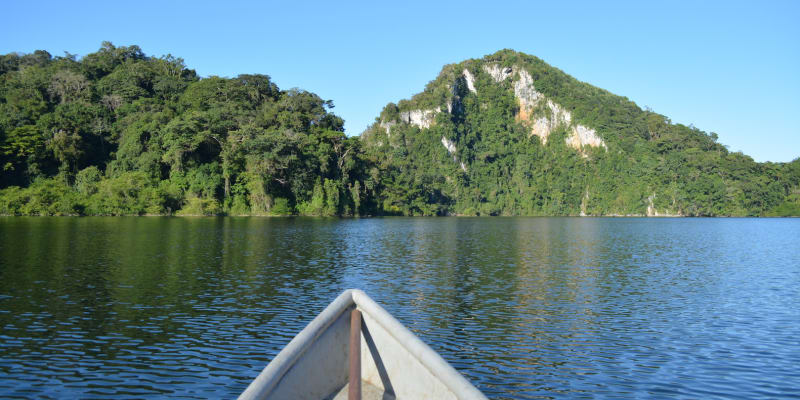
point(524, 307)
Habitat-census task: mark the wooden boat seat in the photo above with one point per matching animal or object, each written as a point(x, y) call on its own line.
point(368, 392)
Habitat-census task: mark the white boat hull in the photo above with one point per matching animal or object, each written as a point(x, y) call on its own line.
point(394, 362)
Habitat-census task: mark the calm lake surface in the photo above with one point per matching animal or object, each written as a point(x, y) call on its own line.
point(523, 307)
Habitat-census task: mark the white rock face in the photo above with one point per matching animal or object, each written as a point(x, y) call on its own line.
point(541, 128)
point(497, 73)
point(421, 118)
point(559, 114)
point(651, 210)
point(449, 145)
point(470, 80)
point(583, 136)
point(583, 203)
point(529, 98)
point(525, 91)
point(451, 149)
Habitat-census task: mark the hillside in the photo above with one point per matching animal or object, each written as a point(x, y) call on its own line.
point(122, 133)
point(510, 135)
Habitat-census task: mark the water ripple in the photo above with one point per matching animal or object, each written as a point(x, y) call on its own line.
point(523, 307)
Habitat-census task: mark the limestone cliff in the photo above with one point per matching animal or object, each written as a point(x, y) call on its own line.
point(539, 114)
point(509, 134)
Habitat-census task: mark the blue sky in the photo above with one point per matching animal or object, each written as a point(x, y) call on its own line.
point(729, 67)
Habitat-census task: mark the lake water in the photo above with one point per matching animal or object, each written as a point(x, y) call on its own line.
point(523, 307)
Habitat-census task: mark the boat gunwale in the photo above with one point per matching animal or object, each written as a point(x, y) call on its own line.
point(263, 384)
point(271, 375)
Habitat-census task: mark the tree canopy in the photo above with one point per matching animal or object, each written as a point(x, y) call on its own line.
point(122, 133)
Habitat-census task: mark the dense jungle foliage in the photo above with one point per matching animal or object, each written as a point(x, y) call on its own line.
point(118, 132)
point(121, 133)
point(649, 165)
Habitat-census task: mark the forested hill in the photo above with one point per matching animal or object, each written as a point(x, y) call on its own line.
point(510, 135)
point(121, 133)
point(118, 132)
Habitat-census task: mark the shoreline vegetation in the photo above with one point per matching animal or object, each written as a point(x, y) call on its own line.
point(382, 216)
point(118, 132)
point(367, 216)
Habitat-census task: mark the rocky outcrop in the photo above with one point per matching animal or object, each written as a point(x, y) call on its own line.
point(525, 92)
point(584, 200)
point(651, 209)
point(541, 118)
point(583, 136)
point(529, 98)
point(451, 149)
point(420, 118)
point(652, 212)
point(449, 145)
point(542, 126)
point(497, 73)
point(470, 80)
